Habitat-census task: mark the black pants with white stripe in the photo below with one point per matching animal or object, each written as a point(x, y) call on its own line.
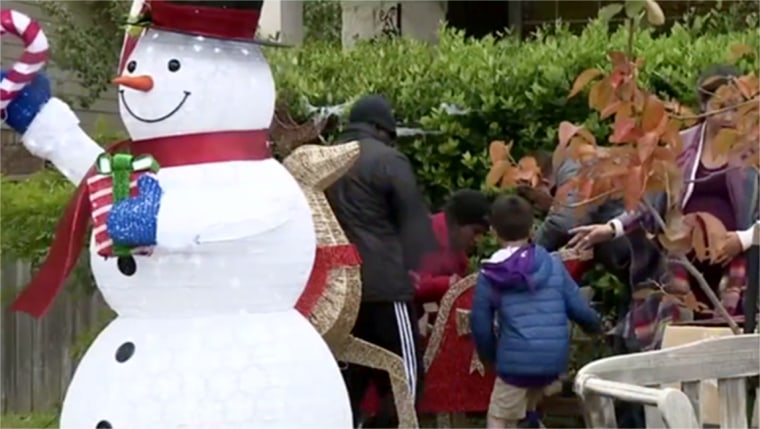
point(393, 326)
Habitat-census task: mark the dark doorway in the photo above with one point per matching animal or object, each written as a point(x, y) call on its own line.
point(478, 18)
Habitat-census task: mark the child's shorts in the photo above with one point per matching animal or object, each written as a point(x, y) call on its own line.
point(511, 402)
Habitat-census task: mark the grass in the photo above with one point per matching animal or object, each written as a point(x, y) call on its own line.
point(28, 421)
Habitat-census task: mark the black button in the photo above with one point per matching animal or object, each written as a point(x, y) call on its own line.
point(127, 265)
point(103, 424)
point(125, 351)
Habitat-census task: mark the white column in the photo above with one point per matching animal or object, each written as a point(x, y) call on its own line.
point(282, 20)
point(421, 19)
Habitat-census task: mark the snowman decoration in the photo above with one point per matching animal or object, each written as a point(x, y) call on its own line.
point(206, 252)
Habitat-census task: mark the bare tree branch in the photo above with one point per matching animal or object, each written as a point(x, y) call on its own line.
point(714, 112)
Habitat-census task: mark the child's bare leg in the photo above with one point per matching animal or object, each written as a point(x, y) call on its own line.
point(499, 423)
point(507, 406)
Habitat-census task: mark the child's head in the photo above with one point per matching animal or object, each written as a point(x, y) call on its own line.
point(511, 218)
point(467, 214)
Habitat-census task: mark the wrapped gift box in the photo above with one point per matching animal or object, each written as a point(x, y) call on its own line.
point(121, 170)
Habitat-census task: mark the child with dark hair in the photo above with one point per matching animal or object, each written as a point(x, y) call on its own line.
point(531, 296)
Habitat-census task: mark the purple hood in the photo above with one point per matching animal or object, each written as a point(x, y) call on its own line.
point(511, 267)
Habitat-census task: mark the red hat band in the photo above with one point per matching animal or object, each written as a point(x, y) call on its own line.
point(218, 19)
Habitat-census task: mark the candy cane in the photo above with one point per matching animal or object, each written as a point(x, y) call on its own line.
point(34, 58)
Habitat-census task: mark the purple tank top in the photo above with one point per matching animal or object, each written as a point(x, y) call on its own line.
point(711, 196)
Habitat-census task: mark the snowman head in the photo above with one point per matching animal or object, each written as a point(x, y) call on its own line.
point(178, 84)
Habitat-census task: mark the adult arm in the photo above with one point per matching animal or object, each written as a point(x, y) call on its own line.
point(631, 220)
point(750, 236)
point(431, 288)
point(408, 207)
point(553, 231)
point(482, 320)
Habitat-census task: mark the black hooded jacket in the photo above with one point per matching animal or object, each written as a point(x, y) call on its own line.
point(382, 211)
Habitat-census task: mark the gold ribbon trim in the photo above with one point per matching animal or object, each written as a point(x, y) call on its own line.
point(463, 328)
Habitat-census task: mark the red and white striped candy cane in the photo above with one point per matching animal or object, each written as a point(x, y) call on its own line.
point(34, 58)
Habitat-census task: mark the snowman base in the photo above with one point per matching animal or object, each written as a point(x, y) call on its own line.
point(232, 371)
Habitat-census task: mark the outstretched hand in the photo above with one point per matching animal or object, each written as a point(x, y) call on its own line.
point(729, 248)
point(587, 236)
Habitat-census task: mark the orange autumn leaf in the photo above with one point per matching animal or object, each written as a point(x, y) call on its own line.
point(618, 58)
point(611, 109)
point(585, 186)
point(566, 131)
point(672, 136)
point(581, 149)
point(582, 80)
point(618, 77)
point(601, 185)
point(654, 114)
point(601, 95)
point(646, 145)
point(634, 188)
point(496, 172)
point(707, 234)
point(528, 171)
point(624, 130)
point(499, 151)
point(509, 179)
point(684, 114)
point(586, 134)
point(748, 86)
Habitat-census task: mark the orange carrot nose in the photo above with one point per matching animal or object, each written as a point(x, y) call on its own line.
point(140, 83)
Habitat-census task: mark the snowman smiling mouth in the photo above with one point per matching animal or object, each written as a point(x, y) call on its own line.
point(144, 84)
point(153, 120)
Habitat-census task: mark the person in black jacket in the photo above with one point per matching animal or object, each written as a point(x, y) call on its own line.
point(383, 213)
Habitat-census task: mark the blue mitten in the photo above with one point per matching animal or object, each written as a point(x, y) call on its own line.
point(133, 221)
point(28, 103)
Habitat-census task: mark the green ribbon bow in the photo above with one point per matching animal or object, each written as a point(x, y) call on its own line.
point(120, 167)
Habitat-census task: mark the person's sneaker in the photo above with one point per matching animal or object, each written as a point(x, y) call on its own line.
point(532, 421)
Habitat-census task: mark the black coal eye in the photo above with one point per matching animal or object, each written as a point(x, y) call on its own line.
point(131, 66)
point(173, 65)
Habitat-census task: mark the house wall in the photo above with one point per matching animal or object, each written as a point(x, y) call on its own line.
point(16, 161)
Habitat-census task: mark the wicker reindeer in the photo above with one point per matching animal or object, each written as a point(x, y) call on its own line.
point(331, 300)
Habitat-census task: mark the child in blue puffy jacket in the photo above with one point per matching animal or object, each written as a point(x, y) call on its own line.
point(532, 297)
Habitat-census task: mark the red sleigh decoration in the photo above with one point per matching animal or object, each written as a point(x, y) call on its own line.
point(456, 380)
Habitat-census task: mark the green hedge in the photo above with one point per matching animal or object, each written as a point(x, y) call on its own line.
point(516, 90)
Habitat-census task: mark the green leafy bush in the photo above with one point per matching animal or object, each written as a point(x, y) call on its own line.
point(514, 90)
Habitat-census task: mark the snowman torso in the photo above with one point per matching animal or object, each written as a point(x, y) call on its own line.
point(255, 251)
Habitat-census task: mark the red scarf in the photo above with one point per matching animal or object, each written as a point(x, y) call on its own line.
point(71, 232)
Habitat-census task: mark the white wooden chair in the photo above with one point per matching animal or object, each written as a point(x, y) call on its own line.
point(637, 377)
